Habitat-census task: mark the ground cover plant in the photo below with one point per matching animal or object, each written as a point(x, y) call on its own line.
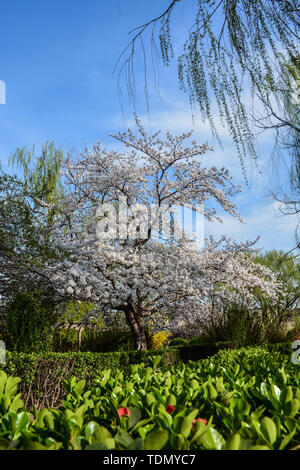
point(238, 399)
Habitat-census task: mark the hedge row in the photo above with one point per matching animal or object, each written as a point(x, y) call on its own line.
point(202, 351)
point(42, 375)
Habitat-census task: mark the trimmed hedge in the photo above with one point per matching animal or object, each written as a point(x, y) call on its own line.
point(42, 374)
point(202, 351)
point(178, 343)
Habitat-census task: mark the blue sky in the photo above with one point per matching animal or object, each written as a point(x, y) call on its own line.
point(57, 60)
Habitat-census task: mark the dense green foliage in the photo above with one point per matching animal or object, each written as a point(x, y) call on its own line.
point(41, 175)
point(101, 340)
point(178, 342)
point(288, 268)
point(28, 321)
point(246, 399)
point(25, 244)
point(42, 373)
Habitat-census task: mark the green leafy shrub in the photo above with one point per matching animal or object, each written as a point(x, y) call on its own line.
point(65, 340)
point(114, 339)
point(42, 374)
point(178, 342)
point(196, 341)
point(246, 399)
point(202, 351)
point(236, 324)
point(27, 324)
point(93, 340)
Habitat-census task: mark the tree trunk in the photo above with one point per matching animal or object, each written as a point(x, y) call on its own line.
point(79, 337)
point(137, 329)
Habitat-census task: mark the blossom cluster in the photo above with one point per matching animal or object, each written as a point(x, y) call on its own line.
point(148, 276)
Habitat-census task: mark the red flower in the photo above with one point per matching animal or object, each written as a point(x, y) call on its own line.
point(170, 409)
point(199, 419)
point(123, 412)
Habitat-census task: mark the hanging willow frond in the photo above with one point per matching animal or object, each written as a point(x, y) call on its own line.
point(233, 47)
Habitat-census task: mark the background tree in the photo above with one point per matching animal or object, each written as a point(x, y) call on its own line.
point(283, 119)
point(134, 266)
point(285, 308)
point(281, 100)
point(28, 209)
point(245, 321)
point(23, 238)
point(41, 176)
point(27, 323)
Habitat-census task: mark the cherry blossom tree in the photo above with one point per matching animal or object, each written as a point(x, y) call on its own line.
point(127, 253)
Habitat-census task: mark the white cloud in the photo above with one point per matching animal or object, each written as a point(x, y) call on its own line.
point(276, 231)
point(176, 119)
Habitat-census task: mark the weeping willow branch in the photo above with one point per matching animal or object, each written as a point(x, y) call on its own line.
point(230, 49)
